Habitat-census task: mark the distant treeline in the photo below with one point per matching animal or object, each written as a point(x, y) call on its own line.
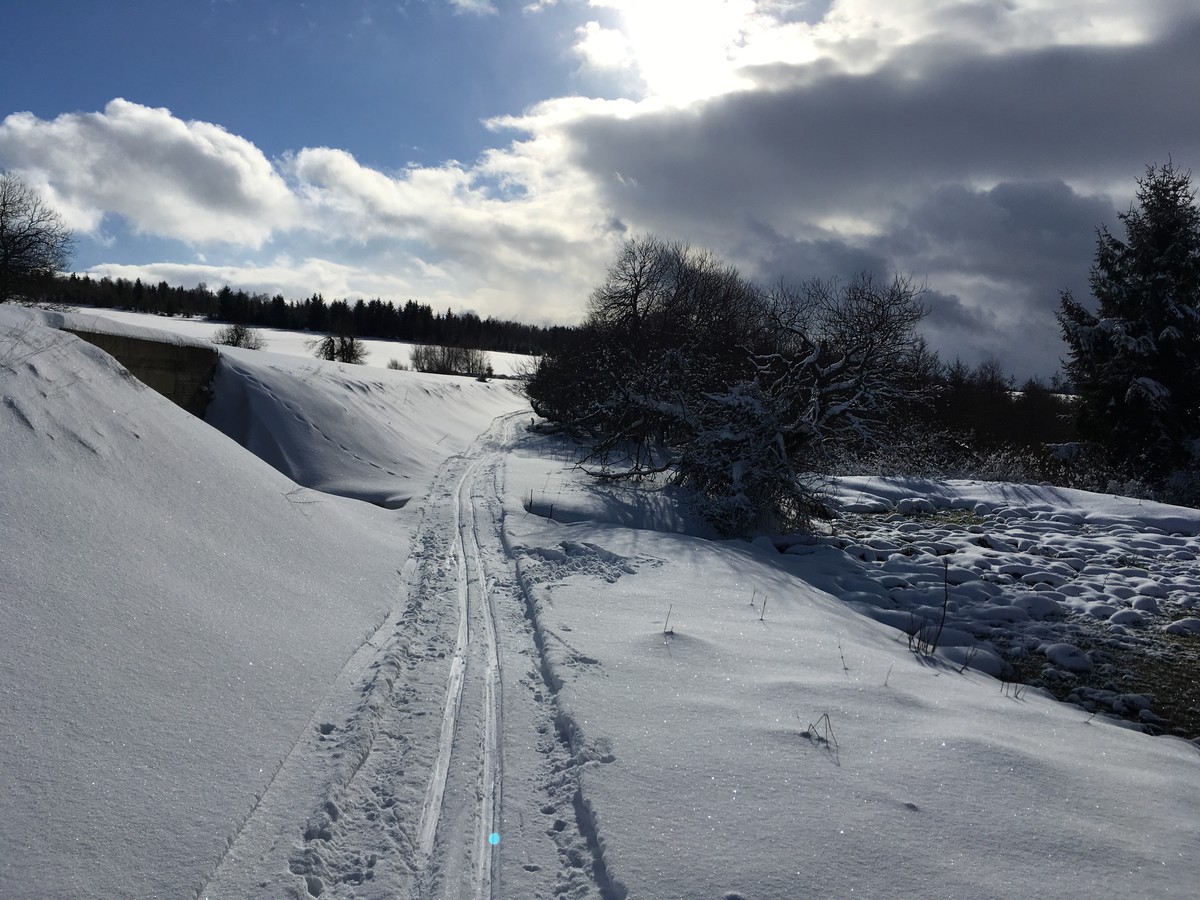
point(413, 322)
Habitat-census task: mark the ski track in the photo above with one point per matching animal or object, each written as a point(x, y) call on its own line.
point(411, 781)
point(447, 858)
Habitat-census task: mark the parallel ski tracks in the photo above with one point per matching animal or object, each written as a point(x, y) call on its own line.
point(414, 784)
point(474, 605)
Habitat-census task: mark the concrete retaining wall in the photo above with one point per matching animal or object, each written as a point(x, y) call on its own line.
point(180, 373)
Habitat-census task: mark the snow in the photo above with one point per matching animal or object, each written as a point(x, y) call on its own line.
point(350, 430)
point(174, 611)
point(230, 678)
point(717, 779)
point(128, 325)
point(288, 343)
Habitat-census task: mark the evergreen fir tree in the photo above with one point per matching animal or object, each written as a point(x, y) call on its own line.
point(1136, 361)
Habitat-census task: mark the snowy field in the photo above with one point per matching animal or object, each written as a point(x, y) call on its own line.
point(291, 343)
point(419, 654)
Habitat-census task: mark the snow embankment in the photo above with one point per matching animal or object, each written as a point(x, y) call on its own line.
point(292, 343)
point(173, 610)
point(371, 434)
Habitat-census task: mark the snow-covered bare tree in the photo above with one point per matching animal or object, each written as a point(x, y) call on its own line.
point(685, 368)
point(1135, 362)
point(668, 321)
point(848, 351)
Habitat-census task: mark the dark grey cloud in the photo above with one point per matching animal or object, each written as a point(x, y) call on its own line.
point(826, 142)
point(1037, 232)
point(1017, 245)
point(974, 170)
point(772, 256)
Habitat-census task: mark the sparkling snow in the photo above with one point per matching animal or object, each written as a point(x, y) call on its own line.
point(192, 640)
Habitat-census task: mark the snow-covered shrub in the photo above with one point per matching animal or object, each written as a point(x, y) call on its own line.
point(738, 467)
point(684, 368)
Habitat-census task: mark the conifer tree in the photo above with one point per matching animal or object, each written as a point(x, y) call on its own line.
point(1135, 363)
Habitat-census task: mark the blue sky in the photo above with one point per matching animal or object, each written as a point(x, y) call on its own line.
point(490, 155)
point(395, 81)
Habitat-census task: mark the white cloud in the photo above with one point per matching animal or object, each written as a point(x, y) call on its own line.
point(795, 138)
point(477, 7)
point(603, 48)
point(188, 180)
point(682, 50)
point(519, 233)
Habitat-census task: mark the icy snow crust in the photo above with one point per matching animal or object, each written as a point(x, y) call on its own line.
point(215, 676)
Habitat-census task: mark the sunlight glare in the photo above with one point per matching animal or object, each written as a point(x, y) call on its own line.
point(684, 49)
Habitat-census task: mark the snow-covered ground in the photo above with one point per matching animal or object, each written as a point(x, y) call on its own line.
point(774, 742)
point(232, 680)
point(292, 343)
point(173, 610)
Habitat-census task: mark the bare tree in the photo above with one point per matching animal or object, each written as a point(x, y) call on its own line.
point(685, 369)
point(339, 348)
point(450, 360)
point(35, 244)
point(239, 335)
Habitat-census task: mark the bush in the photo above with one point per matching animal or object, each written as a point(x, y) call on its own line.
point(450, 360)
point(685, 368)
point(239, 336)
point(340, 348)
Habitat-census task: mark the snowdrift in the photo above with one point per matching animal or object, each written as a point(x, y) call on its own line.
point(371, 434)
point(173, 610)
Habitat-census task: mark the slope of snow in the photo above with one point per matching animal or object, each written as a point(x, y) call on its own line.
point(214, 677)
point(289, 343)
point(375, 435)
point(775, 743)
point(173, 612)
